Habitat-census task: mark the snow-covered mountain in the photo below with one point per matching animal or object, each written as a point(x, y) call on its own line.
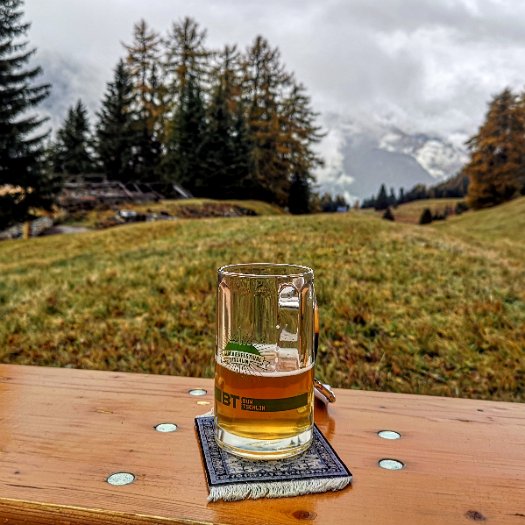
point(361, 156)
point(438, 157)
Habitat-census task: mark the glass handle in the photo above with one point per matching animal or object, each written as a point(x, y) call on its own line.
point(316, 329)
point(324, 390)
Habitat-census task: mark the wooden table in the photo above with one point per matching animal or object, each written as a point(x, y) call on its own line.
point(63, 432)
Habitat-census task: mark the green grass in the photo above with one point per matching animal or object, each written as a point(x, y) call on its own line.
point(181, 208)
point(411, 211)
point(501, 228)
point(404, 308)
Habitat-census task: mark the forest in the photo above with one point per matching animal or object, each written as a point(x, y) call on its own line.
point(223, 123)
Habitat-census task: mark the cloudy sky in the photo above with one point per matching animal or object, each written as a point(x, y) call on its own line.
point(429, 65)
point(425, 65)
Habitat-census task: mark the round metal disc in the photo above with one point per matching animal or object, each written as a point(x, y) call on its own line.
point(389, 434)
point(391, 464)
point(197, 392)
point(166, 427)
point(121, 478)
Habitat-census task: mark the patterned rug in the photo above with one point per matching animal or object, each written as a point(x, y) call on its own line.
point(231, 478)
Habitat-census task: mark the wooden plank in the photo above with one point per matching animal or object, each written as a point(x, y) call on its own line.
point(64, 431)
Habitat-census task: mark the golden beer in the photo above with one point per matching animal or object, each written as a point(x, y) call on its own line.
point(274, 406)
point(264, 360)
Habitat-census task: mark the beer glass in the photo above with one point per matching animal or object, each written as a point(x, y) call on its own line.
point(264, 366)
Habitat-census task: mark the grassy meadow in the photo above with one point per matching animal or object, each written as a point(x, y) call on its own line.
point(436, 309)
point(182, 208)
point(411, 211)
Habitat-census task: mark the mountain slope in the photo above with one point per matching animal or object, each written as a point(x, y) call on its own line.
point(403, 308)
point(501, 227)
point(360, 156)
point(372, 166)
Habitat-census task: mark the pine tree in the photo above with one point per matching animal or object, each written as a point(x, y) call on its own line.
point(382, 201)
point(243, 157)
point(299, 195)
point(25, 184)
point(185, 160)
point(388, 215)
point(392, 197)
point(299, 134)
point(496, 169)
point(426, 216)
point(116, 130)
point(227, 145)
point(149, 105)
point(73, 150)
point(186, 66)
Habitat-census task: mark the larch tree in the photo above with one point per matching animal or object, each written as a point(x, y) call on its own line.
point(264, 82)
point(496, 169)
point(24, 183)
point(149, 105)
point(186, 67)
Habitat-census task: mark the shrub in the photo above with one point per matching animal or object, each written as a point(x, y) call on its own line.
point(426, 216)
point(388, 215)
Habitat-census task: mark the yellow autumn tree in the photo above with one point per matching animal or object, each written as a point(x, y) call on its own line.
point(496, 169)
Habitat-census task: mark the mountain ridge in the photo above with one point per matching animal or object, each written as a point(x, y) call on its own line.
point(362, 156)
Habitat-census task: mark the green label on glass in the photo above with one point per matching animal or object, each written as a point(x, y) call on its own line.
point(260, 405)
point(246, 358)
point(242, 347)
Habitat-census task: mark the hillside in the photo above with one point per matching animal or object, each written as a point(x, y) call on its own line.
point(501, 228)
point(403, 308)
point(411, 211)
point(180, 208)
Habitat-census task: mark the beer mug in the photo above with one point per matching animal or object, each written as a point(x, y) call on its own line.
point(264, 363)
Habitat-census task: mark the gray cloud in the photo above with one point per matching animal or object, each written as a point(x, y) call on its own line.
point(71, 80)
point(422, 65)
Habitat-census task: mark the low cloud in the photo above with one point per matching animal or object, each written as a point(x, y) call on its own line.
point(332, 177)
point(70, 81)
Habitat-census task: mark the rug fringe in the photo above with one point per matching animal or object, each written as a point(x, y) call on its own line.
point(276, 489)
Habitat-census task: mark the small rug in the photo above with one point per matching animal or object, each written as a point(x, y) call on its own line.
point(230, 478)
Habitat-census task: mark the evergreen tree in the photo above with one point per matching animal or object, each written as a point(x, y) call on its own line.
point(496, 169)
point(299, 134)
point(332, 204)
point(426, 216)
point(186, 66)
point(388, 215)
point(149, 105)
point(392, 197)
point(73, 152)
point(382, 201)
point(418, 192)
point(299, 196)
point(185, 160)
point(116, 130)
point(227, 144)
point(25, 184)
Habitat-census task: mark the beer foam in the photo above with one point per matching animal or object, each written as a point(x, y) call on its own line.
point(257, 372)
point(288, 372)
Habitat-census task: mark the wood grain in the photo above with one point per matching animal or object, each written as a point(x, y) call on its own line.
point(63, 432)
